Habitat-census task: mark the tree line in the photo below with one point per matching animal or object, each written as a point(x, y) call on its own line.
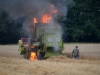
point(10, 29)
point(82, 24)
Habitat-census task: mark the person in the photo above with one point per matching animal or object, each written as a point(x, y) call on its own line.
point(75, 53)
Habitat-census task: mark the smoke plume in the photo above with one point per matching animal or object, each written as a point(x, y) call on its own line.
point(34, 8)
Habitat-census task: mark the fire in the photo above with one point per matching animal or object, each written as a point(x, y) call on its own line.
point(53, 9)
point(33, 56)
point(35, 20)
point(47, 17)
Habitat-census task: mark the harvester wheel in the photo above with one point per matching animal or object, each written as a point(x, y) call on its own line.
point(39, 57)
point(42, 54)
point(27, 54)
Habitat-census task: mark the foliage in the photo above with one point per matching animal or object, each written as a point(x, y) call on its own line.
point(83, 21)
point(10, 29)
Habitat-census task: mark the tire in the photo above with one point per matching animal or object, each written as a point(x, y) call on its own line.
point(27, 54)
point(39, 57)
point(42, 54)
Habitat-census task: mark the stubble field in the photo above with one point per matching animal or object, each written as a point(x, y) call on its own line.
point(12, 63)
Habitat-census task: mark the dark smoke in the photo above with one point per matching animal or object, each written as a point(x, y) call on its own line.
point(33, 8)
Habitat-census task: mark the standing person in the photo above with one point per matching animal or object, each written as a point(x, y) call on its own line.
point(75, 53)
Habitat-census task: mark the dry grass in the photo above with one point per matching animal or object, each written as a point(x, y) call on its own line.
point(61, 65)
point(87, 51)
point(66, 66)
point(10, 51)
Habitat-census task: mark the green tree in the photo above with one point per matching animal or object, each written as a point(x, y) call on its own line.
point(83, 21)
point(3, 21)
point(3, 24)
point(10, 29)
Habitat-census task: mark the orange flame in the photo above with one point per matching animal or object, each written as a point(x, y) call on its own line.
point(46, 18)
point(33, 56)
point(35, 20)
point(53, 9)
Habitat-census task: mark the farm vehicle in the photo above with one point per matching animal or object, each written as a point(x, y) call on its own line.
point(47, 42)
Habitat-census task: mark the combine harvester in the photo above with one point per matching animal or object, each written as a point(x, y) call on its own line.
point(45, 39)
point(47, 42)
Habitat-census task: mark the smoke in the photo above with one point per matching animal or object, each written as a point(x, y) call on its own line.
point(34, 8)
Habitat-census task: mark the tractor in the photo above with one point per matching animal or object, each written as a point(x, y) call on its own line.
point(47, 42)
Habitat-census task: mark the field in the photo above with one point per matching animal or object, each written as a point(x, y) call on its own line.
point(12, 63)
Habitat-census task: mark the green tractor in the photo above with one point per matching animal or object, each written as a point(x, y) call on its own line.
point(47, 42)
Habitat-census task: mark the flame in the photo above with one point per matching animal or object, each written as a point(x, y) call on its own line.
point(33, 56)
point(53, 9)
point(35, 20)
point(47, 17)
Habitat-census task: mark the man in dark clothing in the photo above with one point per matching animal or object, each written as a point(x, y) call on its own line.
point(75, 53)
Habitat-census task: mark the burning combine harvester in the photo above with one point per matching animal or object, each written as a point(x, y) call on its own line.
point(45, 41)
